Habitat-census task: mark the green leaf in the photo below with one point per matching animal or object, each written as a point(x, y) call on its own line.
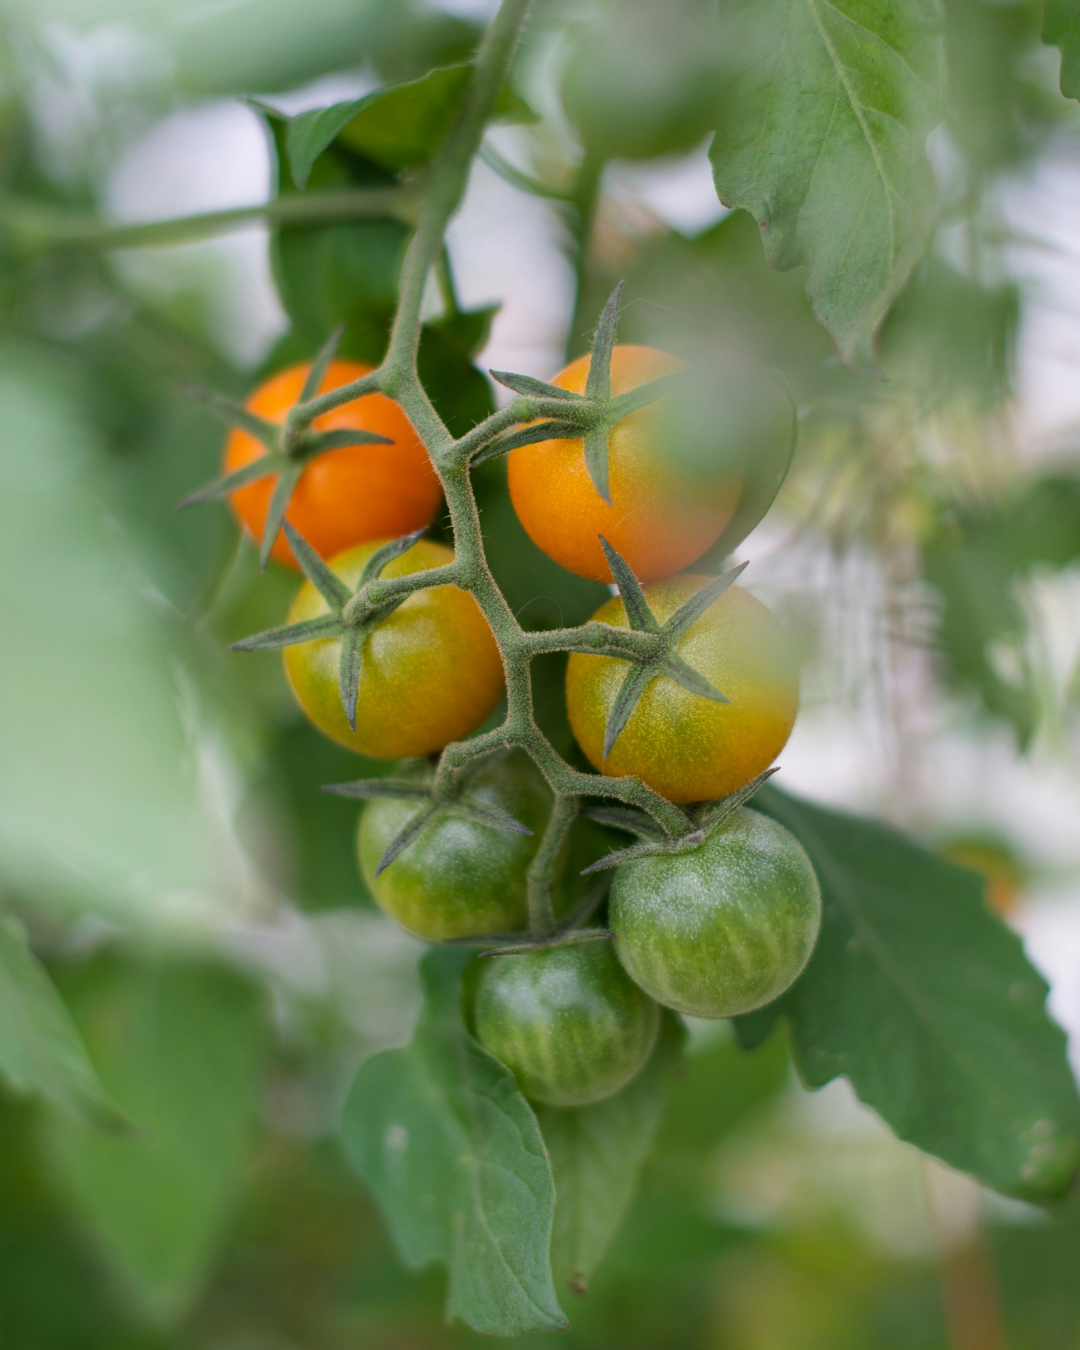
point(597, 1153)
point(400, 125)
point(180, 1047)
point(453, 1152)
point(1061, 28)
point(826, 148)
point(460, 392)
point(40, 1050)
point(921, 997)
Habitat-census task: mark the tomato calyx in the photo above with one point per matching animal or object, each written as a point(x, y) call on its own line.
point(569, 933)
point(705, 818)
point(592, 415)
point(353, 614)
point(486, 813)
point(289, 448)
point(664, 659)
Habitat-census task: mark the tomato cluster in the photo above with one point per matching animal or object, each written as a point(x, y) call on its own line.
point(711, 926)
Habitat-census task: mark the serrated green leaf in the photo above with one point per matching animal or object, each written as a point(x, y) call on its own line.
point(597, 1153)
point(453, 1152)
point(40, 1050)
point(1061, 28)
point(180, 1048)
point(826, 148)
point(925, 1001)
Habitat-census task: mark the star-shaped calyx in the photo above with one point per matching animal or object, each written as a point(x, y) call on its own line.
point(592, 415)
point(288, 451)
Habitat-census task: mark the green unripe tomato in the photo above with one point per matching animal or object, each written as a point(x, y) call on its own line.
point(458, 877)
point(565, 1021)
point(723, 929)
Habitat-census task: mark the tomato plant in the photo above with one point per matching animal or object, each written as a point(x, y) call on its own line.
point(581, 902)
point(566, 1021)
point(408, 701)
point(724, 928)
point(460, 876)
point(689, 748)
point(658, 519)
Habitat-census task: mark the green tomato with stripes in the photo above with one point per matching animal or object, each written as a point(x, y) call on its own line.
point(459, 877)
point(724, 928)
point(565, 1021)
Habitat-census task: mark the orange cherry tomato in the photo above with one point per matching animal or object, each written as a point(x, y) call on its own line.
point(686, 747)
point(429, 673)
point(344, 496)
point(660, 521)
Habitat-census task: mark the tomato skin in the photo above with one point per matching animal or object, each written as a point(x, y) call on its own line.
point(721, 930)
point(565, 1021)
point(343, 496)
point(659, 522)
point(430, 673)
point(686, 747)
point(458, 877)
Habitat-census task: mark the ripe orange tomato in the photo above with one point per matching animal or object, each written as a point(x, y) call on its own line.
point(343, 496)
point(684, 746)
point(430, 672)
point(658, 520)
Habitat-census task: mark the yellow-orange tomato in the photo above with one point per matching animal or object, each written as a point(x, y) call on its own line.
point(686, 747)
point(429, 673)
point(658, 520)
point(344, 496)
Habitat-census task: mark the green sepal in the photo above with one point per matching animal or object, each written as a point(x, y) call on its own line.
point(598, 383)
point(387, 553)
point(329, 585)
point(368, 788)
point(279, 504)
point(625, 818)
point(709, 815)
point(321, 364)
point(638, 613)
point(542, 431)
point(684, 674)
point(530, 387)
point(236, 415)
point(574, 939)
point(404, 837)
point(686, 844)
point(262, 467)
point(349, 671)
point(326, 626)
point(638, 679)
point(596, 459)
point(624, 404)
point(318, 442)
point(700, 601)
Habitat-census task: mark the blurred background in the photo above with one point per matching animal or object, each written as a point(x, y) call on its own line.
point(162, 835)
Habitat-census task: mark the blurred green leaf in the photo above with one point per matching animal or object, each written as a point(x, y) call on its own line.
point(180, 1047)
point(1061, 28)
point(974, 559)
point(826, 149)
point(40, 1050)
point(925, 1001)
point(394, 127)
point(645, 79)
point(453, 1152)
point(100, 800)
point(597, 1153)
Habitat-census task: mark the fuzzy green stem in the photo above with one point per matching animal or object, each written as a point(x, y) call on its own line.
point(39, 229)
point(541, 873)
